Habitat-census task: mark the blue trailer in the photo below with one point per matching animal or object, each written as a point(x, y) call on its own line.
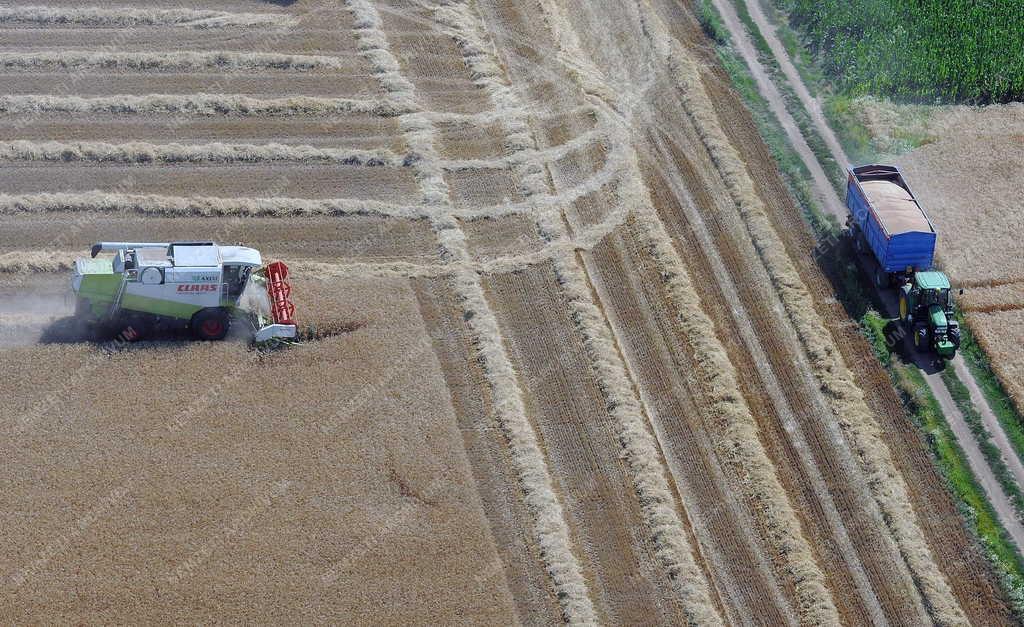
point(886, 219)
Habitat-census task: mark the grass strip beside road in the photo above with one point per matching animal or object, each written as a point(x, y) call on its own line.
point(970, 498)
point(998, 399)
point(993, 457)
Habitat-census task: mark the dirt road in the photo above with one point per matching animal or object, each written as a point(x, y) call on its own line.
point(822, 188)
point(810, 103)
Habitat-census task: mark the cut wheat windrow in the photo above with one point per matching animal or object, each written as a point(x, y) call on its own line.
point(127, 17)
point(171, 61)
point(675, 551)
point(198, 104)
point(551, 530)
point(144, 152)
point(815, 602)
point(547, 369)
point(848, 401)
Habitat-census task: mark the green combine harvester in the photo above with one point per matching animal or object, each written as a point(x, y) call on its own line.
point(887, 221)
point(144, 287)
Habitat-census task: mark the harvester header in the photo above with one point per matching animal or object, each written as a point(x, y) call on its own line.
point(203, 286)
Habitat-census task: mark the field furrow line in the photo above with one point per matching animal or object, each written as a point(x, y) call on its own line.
point(199, 104)
point(847, 399)
point(128, 17)
point(826, 473)
point(166, 61)
point(156, 204)
point(22, 261)
point(518, 157)
point(219, 152)
point(642, 454)
point(550, 524)
point(641, 451)
point(25, 261)
point(981, 283)
point(741, 445)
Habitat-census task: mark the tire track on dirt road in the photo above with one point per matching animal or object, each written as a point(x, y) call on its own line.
point(810, 103)
point(822, 189)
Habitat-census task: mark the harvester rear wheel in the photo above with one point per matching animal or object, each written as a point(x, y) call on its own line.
point(128, 328)
point(210, 324)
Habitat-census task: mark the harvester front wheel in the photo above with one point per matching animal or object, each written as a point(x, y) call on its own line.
point(210, 324)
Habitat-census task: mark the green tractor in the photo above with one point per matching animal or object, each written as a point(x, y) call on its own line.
point(926, 310)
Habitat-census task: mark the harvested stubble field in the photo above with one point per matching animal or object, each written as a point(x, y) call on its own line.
point(573, 359)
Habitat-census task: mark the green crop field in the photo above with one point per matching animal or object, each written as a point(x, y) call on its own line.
point(924, 51)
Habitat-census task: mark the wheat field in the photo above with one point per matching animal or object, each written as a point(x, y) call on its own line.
point(968, 177)
point(567, 355)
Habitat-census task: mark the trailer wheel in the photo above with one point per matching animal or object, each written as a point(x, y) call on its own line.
point(210, 324)
point(881, 278)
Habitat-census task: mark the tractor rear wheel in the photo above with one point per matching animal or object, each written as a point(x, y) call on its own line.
point(210, 324)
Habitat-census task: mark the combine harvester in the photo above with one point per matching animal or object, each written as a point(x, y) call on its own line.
point(887, 221)
point(199, 285)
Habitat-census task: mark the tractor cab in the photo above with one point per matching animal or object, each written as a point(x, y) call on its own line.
point(926, 306)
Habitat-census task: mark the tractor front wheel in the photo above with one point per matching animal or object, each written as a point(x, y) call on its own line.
point(921, 337)
point(210, 324)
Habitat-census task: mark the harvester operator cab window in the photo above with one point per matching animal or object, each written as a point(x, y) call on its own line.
point(235, 278)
